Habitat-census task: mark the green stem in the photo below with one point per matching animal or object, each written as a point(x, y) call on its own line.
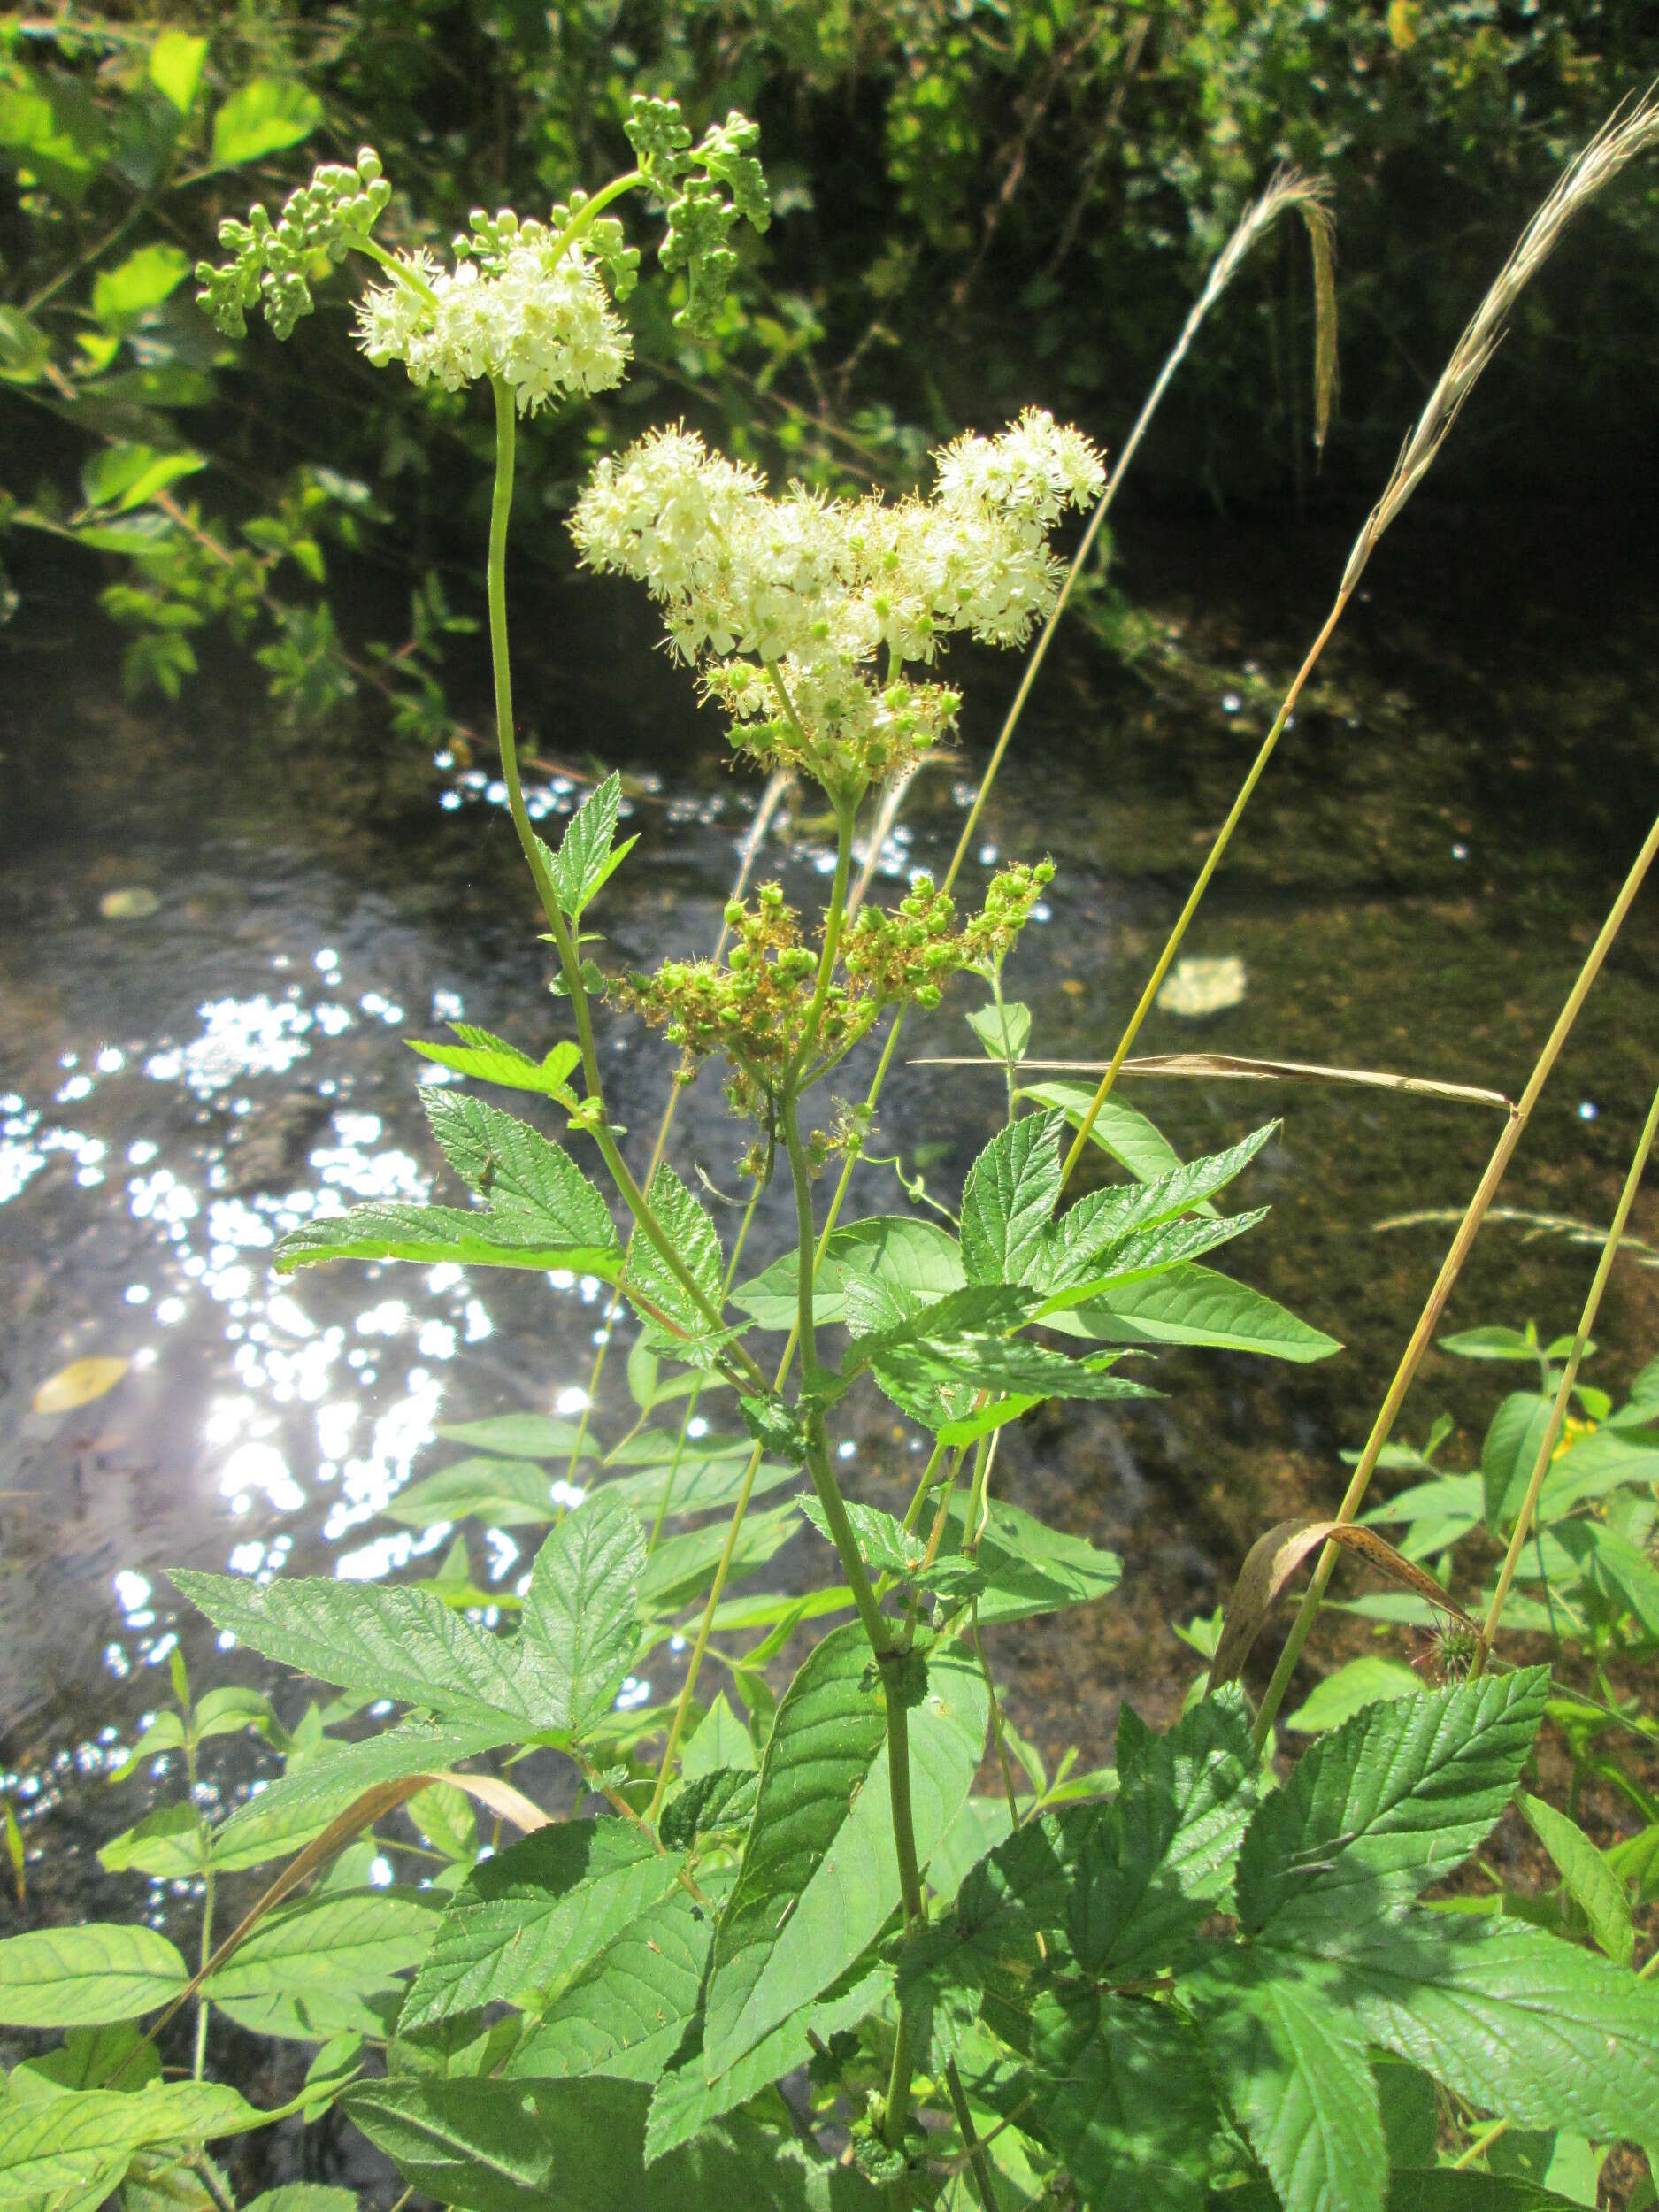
point(835, 917)
point(1563, 1393)
point(204, 1837)
point(1429, 1320)
point(396, 269)
point(570, 964)
point(978, 2163)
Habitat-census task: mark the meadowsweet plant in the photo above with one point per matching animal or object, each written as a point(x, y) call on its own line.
point(779, 1945)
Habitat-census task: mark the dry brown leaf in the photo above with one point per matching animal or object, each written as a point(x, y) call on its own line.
point(1272, 1560)
point(79, 1384)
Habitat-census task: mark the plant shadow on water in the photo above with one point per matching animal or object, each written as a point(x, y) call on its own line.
point(1411, 893)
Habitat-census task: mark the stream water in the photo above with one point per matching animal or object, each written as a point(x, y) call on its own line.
point(213, 949)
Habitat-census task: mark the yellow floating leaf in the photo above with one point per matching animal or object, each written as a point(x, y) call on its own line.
point(134, 904)
point(79, 1384)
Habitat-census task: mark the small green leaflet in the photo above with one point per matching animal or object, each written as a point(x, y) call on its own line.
point(61, 1977)
point(1005, 1031)
point(697, 1243)
point(490, 1059)
point(166, 1843)
point(914, 1257)
point(580, 1623)
point(524, 1923)
point(542, 1211)
point(1587, 1877)
point(1188, 1304)
point(1507, 1456)
point(586, 859)
point(262, 117)
point(1008, 1202)
point(1120, 1130)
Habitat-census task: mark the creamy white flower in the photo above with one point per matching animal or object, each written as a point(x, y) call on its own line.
point(788, 602)
point(543, 324)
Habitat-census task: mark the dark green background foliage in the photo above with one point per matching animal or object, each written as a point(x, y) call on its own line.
point(979, 204)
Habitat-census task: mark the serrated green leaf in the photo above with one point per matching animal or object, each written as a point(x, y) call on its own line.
point(1008, 1202)
point(1189, 1304)
point(1395, 1798)
point(1105, 1219)
point(1288, 2059)
point(701, 1484)
point(526, 1176)
point(91, 2058)
point(525, 2145)
point(1591, 1883)
point(720, 1740)
point(297, 2014)
point(262, 117)
point(524, 1922)
point(936, 1383)
point(585, 860)
point(580, 1618)
point(1005, 1031)
point(722, 1798)
point(692, 1232)
point(1128, 1136)
point(1160, 1858)
point(1617, 1568)
point(399, 1644)
point(1514, 2021)
point(625, 2013)
point(491, 1059)
point(1508, 1455)
point(1367, 1681)
point(443, 1815)
point(917, 1257)
point(819, 1876)
point(434, 1234)
point(354, 1941)
point(1121, 2090)
point(63, 1977)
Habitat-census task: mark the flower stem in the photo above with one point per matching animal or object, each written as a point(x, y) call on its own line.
point(570, 964)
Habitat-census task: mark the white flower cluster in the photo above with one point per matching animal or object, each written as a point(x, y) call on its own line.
point(539, 319)
point(792, 598)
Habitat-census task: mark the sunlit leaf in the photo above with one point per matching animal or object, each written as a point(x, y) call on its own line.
point(79, 1384)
